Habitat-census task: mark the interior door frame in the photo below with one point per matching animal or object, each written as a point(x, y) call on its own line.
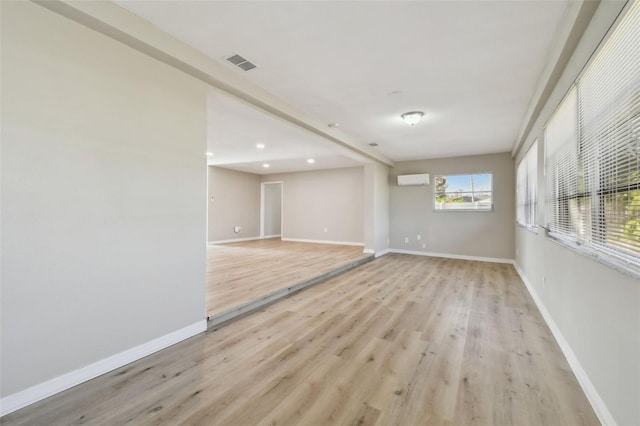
point(262, 206)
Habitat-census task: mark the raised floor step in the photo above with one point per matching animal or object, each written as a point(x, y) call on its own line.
point(221, 319)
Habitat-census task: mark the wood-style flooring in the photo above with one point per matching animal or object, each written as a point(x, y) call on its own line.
point(241, 272)
point(402, 340)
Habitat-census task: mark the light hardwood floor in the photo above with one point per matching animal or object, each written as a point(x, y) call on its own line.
point(402, 340)
point(240, 272)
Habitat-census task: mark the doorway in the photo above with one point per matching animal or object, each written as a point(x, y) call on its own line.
point(271, 209)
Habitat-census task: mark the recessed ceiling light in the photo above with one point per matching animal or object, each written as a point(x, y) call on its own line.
point(260, 145)
point(265, 165)
point(311, 161)
point(209, 153)
point(412, 117)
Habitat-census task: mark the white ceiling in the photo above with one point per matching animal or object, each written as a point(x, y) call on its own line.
point(471, 66)
point(234, 128)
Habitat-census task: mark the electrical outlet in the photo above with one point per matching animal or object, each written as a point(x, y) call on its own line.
point(326, 229)
point(406, 240)
point(424, 245)
point(211, 199)
point(418, 237)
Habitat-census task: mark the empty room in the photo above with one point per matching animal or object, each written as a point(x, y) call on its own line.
point(285, 209)
point(320, 212)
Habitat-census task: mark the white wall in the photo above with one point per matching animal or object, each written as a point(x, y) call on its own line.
point(313, 201)
point(236, 201)
point(479, 234)
point(103, 180)
point(376, 207)
point(272, 209)
point(595, 308)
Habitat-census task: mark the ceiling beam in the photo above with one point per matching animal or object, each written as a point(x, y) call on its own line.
point(576, 19)
point(119, 24)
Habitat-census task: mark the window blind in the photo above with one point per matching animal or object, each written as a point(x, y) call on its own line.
point(561, 161)
point(527, 187)
point(592, 160)
point(609, 119)
point(521, 182)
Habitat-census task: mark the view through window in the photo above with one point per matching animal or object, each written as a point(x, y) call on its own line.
point(472, 192)
point(593, 151)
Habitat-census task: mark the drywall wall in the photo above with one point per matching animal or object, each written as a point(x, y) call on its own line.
point(236, 202)
point(323, 205)
point(103, 216)
point(272, 209)
point(595, 307)
point(376, 207)
point(480, 234)
point(110, 18)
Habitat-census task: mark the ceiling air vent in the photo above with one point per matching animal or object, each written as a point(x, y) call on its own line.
point(373, 144)
point(241, 62)
point(246, 66)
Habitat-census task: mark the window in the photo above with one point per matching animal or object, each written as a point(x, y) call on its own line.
point(561, 159)
point(593, 151)
point(464, 192)
point(527, 188)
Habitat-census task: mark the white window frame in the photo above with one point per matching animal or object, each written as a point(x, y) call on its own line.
point(527, 189)
point(595, 169)
point(463, 210)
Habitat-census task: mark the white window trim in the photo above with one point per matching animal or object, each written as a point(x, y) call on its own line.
point(618, 260)
point(493, 202)
point(532, 151)
point(620, 265)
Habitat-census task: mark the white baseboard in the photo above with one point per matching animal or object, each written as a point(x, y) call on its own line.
point(51, 387)
point(266, 237)
point(453, 256)
point(383, 252)
point(600, 408)
point(338, 243)
point(235, 240)
point(368, 251)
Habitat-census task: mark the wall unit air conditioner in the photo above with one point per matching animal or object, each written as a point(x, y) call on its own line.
point(407, 180)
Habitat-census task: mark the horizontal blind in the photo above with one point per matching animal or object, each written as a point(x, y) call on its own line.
point(521, 188)
point(561, 162)
point(531, 200)
point(527, 187)
point(609, 123)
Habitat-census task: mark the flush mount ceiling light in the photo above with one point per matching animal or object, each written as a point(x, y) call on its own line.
point(209, 154)
point(265, 165)
point(311, 161)
point(260, 145)
point(412, 117)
